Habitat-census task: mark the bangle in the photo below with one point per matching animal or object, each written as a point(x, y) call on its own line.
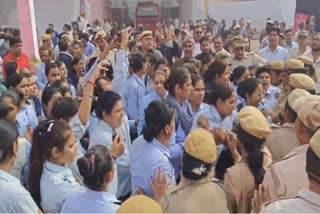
point(91, 83)
point(89, 95)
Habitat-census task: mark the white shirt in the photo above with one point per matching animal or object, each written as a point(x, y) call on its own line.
point(196, 49)
point(56, 184)
point(90, 202)
point(14, 198)
point(280, 54)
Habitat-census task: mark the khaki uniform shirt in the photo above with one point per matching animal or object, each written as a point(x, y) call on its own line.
point(285, 178)
point(295, 53)
point(317, 75)
point(282, 140)
point(283, 97)
point(240, 182)
point(305, 202)
point(248, 60)
point(204, 196)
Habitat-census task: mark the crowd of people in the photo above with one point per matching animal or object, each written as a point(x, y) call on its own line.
point(181, 119)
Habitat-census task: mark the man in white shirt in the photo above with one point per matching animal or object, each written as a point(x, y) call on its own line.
point(289, 43)
point(273, 51)
point(197, 34)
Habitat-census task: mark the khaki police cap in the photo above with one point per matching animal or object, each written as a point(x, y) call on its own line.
point(276, 66)
point(201, 145)
point(301, 81)
point(238, 42)
point(140, 204)
point(293, 64)
point(309, 114)
point(306, 60)
point(145, 33)
point(295, 95)
point(46, 37)
point(303, 33)
point(187, 41)
point(299, 102)
point(236, 27)
point(253, 122)
point(101, 34)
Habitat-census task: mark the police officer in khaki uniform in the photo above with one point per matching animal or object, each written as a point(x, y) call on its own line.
point(301, 81)
point(309, 66)
point(275, 69)
point(242, 179)
point(306, 201)
point(188, 47)
point(283, 137)
point(285, 178)
point(241, 57)
point(291, 66)
point(198, 191)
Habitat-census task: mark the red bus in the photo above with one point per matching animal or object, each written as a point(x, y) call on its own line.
point(148, 14)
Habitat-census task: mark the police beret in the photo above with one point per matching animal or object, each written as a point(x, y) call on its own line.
point(276, 65)
point(299, 102)
point(295, 95)
point(101, 34)
point(309, 114)
point(293, 64)
point(145, 33)
point(187, 41)
point(201, 145)
point(238, 43)
point(140, 204)
point(236, 27)
point(303, 33)
point(306, 60)
point(253, 122)
point(301, 81)
point(45, 37)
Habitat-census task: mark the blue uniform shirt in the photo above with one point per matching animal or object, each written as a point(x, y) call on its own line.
point(42, 79)
point(26, 117)
point(132, 96)
point(271, 97)
point(146, 158)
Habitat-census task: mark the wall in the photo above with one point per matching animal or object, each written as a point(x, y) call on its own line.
point(100, 9)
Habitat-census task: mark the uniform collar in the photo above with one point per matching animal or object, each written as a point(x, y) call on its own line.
point(53, 167)
point(276, 50)
point(310, 197)
point(8, 177)
point(162, 147)
point(107, 196)
point(106, 127)
point(138, 79)
point(215, 113)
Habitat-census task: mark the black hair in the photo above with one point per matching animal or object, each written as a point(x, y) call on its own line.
point(222, 92)
point(309, 69)
point(274, 29)
point(9, 136)
point(189, 163)
point(253, 146)
point(131, 44)
point(11, 68)
point(49, 66)
point(216, 68)
point(293, 114)
point(94, 166)
point(46, 136)
point(237, 73)
point(287, 31)
point(106, 102)
point(59, 63)
point(76, 60)
point(84, 36)
point(14, 40)
point(195, 79)
point(206, 59)
point(14, 96)
point(178, 76)
point(247, 87)
point(64, 108)
point(49, 31)
point(59, 84)
point(47, 94)
point(15, 79)
point(157, 115)
point(261, 70)
point(192, 68)
point(204, 39)
point(312, 165)
point(63, 45)
point(4, 109)
point(136, 62)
